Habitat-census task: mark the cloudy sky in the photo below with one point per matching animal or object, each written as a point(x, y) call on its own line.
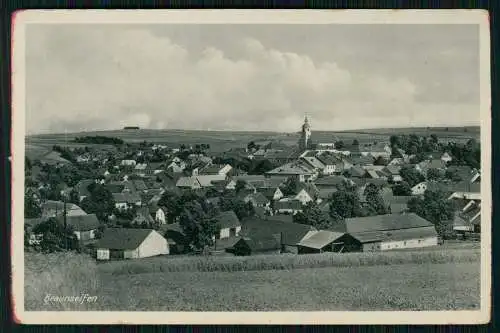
point(250, 77)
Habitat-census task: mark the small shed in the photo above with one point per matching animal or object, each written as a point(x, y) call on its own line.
point(328, 241)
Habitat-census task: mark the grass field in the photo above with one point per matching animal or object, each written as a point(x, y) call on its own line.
point(166, 264)
point(418, 280)
point(402, 287)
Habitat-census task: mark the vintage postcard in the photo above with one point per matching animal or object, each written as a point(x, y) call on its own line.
point(251, 167)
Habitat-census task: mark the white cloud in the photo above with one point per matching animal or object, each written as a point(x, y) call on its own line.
point(85, 77)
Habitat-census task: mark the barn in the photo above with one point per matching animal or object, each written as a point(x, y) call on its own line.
point(391, 231)
point(123, 243)
point(329, 241)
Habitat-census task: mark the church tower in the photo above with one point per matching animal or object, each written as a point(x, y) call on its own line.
point(305, 138)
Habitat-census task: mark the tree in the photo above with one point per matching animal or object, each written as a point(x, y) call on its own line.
point(251, 146)
point(376, 204)
point(55, 236)
point(434, 174)
point(240, 185)
point(99, 202)
point(355, 142)
point(31, 207)
point(395, 141)
point(380, 161)
point(339, 144)
point(290, 186)
point(395, 153)
point(452, 175)
point(312, 215)
point(401, 189)
point(411, 175)
point(240, 208)
point(199, 225)
point(345, 203)
point(435, 208)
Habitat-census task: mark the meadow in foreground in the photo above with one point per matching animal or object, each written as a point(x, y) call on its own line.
point(420, 280)
point(401, 287)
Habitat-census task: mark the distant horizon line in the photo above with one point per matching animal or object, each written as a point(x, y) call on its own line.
point(132, 128)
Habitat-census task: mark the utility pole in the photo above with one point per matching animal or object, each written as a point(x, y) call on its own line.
point(64, 199)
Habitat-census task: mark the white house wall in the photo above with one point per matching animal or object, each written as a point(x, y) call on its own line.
point(409, 243)
point(154, 244)
point(102, 254)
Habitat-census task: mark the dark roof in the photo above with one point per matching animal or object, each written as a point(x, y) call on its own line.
point(81, 222)
point(130, 198)
point(293, 233)
point(122, 238)
point(260, 243)
point(328, 159)
point(436, 164)
point(140, 185)
point(115, 188)
point(268, 192)
point(331, 181)
point(385, 222)
point(280, 217)
point(325, 193)
point(227, 219)
point(288, 204)
point(226, 243)
point(357, 171)
point(362, 160)
point(259, 198)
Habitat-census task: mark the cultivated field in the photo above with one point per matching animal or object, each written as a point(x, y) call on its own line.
point(413, 280)
point(224, 140)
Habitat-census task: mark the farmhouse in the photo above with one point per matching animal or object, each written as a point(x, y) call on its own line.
point(229, 224)
point(126, 200)
point(122, 243)
point(391, 231)
point(83, 226)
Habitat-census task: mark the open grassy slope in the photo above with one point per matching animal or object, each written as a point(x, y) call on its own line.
point(224, 140)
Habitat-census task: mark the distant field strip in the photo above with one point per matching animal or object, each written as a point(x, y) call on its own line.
point(284, 262)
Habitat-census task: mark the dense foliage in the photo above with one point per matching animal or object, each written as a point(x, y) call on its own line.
point(435, 208)
point(98, 139)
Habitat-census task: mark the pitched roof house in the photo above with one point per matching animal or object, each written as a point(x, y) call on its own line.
point(287, 206)
point(297, 169)
point(123, 243)
point(84, 226)
point(290, 234)
point(51, 208)
point(229, 224)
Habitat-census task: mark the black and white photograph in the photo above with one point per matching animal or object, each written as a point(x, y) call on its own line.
point(260, 166)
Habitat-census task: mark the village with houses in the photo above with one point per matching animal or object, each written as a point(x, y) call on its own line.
point(145, 199)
